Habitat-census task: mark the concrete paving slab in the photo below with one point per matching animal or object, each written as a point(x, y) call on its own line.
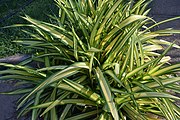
point(166, 7)
point(7, 103)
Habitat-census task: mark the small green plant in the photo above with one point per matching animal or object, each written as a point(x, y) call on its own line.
point(100, 62)
point(10, 12)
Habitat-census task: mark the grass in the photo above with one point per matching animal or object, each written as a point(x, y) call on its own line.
point(11, 10)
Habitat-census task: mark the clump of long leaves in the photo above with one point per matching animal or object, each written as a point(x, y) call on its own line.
point(100, 62)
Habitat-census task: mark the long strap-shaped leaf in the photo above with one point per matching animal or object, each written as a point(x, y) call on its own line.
point(27, 69)
point(153, 85)
point(164, 21)
point(140, 95)
point(84, 116)
point(105, 89)
point(59, 75)
point(107, 16)
point(84, 91)
point(54, 30)
point(121, 25)
point(130, 74)
point(95, 28)
point(36, 102)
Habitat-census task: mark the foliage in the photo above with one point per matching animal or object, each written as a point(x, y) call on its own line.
point(10, 12)
point(100, 62)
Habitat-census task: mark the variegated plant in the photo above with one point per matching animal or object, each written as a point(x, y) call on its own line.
point(100, 62)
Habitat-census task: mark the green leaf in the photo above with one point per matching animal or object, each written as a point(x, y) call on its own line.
point(18, 91)
point(161, 22)
point(27, 69)
point(51, 29)
point(112, 74)
point(79, 40)
point(105, 89)
point(130, 20)
point(165, 70)
point(139, 95)
point(138, 69)
point(132, 113)
point(84, 115)
point(95, 28)
point(55, 103)
point(106, 17)
point(165, 43)
point(65, 111)
point(105, 116)
point(84, 91)
point(36, 102)
point(58, 76)
point(59, 67)
point(165, 82)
